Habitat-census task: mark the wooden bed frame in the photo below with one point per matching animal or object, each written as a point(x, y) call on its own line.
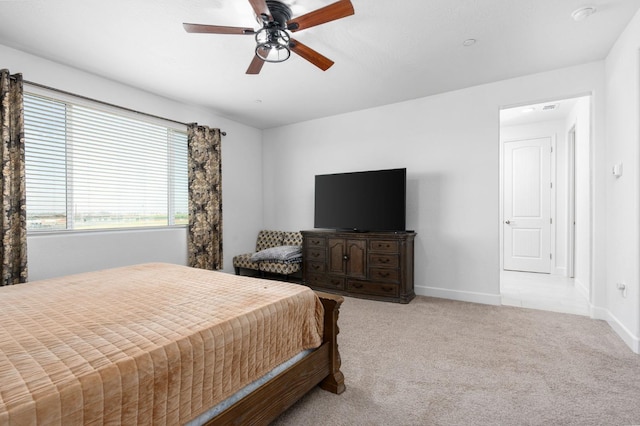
point(321, 367)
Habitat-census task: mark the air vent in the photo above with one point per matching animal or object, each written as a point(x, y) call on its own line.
point(549, 107)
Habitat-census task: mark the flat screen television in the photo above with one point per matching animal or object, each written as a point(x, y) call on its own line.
point(361, 201)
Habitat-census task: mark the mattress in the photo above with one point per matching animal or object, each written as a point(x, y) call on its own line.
point(147, 344)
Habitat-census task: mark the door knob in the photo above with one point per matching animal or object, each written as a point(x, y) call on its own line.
point(508, 222)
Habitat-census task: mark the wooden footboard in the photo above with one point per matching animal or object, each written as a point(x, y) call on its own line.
point(321, 367)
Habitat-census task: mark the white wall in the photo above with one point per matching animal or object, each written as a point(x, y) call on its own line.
point(450, 146)
point(54, 255)
point(622, 309)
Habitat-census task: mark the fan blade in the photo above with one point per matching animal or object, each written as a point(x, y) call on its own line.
point(310, 55)
point(325, 14)
point(255, 66)
point(216, 29)
point(260, 8)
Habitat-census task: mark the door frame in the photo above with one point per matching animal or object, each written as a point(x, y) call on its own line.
point(571, 201)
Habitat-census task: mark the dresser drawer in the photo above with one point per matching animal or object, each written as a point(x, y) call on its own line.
point(381, 274)
point(314, 254)
point(324, 281)
point(314, 267)
point(311, 242)
point(384, 260)
point(376, 288)
point(387, 246)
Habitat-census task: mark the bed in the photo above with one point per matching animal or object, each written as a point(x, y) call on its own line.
point(163, 344)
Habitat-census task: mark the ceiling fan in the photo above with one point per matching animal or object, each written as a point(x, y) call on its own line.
point(273, 41)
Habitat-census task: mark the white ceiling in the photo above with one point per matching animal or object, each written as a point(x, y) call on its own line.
point(540, 112)
point(389, 51)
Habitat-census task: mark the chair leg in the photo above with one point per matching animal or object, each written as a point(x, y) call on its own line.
point(237, 270)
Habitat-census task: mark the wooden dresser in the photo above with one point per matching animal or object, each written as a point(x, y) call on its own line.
point(372, 265)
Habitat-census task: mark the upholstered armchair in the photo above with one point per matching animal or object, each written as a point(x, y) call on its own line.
point(277, 252)
point(286, 260)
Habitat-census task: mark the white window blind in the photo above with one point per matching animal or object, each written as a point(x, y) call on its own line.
point(89, 168)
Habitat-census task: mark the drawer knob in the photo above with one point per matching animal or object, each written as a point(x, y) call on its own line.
point(357, 285)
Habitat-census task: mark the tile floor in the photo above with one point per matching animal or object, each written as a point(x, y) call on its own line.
point(542, 291)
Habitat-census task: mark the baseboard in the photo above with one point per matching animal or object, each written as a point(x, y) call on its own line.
point(463, 296)
point(581, 288)
point(625, 334)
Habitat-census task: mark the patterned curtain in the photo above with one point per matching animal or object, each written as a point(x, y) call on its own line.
point(13, 219)
point(205, 198)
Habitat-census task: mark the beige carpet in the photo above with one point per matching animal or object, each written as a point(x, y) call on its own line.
point(441, 362)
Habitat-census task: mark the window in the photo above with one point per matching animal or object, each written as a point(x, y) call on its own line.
point(89, 168)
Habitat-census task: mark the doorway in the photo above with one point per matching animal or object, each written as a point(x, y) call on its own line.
point(545, 205)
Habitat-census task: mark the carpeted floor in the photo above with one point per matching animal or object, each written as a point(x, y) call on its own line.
point(442, 362)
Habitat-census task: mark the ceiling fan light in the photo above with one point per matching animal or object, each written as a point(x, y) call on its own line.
point(272, 45)
point(272, 53)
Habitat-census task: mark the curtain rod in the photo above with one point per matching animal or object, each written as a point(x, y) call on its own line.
point(42, 86)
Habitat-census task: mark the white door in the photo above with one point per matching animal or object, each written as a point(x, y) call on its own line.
point(527, 205)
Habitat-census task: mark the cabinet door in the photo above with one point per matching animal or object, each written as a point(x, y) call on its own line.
point(337, 253)
point(356, 258)
point(347, 257)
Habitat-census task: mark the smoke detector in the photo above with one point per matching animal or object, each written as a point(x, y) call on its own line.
point(583, 13)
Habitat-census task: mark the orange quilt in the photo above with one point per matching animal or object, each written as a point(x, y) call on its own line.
point(147, 344)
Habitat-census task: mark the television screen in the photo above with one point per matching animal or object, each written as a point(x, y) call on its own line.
point(361, 201)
